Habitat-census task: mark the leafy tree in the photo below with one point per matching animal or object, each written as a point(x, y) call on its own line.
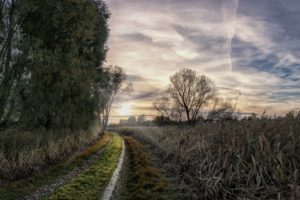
point(67, 48)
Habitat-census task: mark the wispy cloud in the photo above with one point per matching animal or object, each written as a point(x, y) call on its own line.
point(250, 46)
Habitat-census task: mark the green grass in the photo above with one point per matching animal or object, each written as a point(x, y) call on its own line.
point(91, 183)
point(21, 188)
point(143, 181)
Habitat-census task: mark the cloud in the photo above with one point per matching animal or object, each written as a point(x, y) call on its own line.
point(260, 39)
point(137, 37)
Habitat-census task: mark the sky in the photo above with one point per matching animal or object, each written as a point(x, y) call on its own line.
point(247, 47)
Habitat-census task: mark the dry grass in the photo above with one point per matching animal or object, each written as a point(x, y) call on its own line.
point(91, 183)
point(24, 153)
point(25, 187)
point(255, 159)
point(142, 179)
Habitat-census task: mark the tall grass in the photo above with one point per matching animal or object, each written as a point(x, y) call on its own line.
point(254, 159)
point(23, 153)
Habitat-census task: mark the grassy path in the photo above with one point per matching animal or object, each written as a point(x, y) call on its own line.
point(108, 192)
point(94, 174)
point(140, 179)
point(91, 183)
point(47, 181)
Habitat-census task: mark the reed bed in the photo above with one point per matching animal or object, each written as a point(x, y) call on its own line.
point(248, 159)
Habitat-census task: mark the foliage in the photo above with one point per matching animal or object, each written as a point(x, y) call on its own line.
point(67, 47)
point(13, 58)
point(51, 57)
point(51, 78)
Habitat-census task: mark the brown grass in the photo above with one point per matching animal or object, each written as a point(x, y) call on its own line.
point(144, 180)
point(25, 153)
point(21, 188)
point(254, 159)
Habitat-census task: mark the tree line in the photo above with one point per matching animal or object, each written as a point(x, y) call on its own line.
point(52, 57)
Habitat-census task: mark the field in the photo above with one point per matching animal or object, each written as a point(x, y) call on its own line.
point(249, 159)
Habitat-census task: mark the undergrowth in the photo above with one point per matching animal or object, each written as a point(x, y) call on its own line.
point(23, 153)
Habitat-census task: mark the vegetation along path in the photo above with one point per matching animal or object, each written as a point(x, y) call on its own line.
point(49, 188)
point(45, 182)
point(90, 184)
point(140, 179)
point(106, 170)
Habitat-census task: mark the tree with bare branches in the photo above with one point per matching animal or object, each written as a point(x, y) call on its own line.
point(115, 89)
point(186, 95)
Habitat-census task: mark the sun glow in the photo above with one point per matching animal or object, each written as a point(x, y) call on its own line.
point(125, 109)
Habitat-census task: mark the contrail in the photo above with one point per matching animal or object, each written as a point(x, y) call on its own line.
point(229, 10)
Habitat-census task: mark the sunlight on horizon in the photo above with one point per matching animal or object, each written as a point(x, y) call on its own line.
point(125, 109)
point(239, 45)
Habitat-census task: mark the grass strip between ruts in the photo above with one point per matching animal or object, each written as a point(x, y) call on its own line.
point(144, 181)
point(91, 183)
point(22, 188)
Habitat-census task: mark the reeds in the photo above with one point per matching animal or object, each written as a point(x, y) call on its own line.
point(250, 159)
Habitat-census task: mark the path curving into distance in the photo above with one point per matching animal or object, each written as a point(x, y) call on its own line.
point(92, 183)
point(59, 181)
point(107, 194)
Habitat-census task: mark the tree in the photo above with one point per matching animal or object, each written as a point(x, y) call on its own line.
point(221, 110)
point(67, 49)
point(186, 95)
point(131, 121)
point(141, 119)
point(115, 89)
point(13, 57)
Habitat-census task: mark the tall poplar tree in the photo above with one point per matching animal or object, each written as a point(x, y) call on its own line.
point(67, 49)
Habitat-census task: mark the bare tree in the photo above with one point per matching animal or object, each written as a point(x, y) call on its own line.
point(163, 106)
point(223, 109)
point(116, 88)
point(186, 95)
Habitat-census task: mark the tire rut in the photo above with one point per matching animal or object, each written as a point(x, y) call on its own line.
point(53, 185)
point(108, 192)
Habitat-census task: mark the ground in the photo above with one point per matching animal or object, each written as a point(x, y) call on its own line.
point(86, 175)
